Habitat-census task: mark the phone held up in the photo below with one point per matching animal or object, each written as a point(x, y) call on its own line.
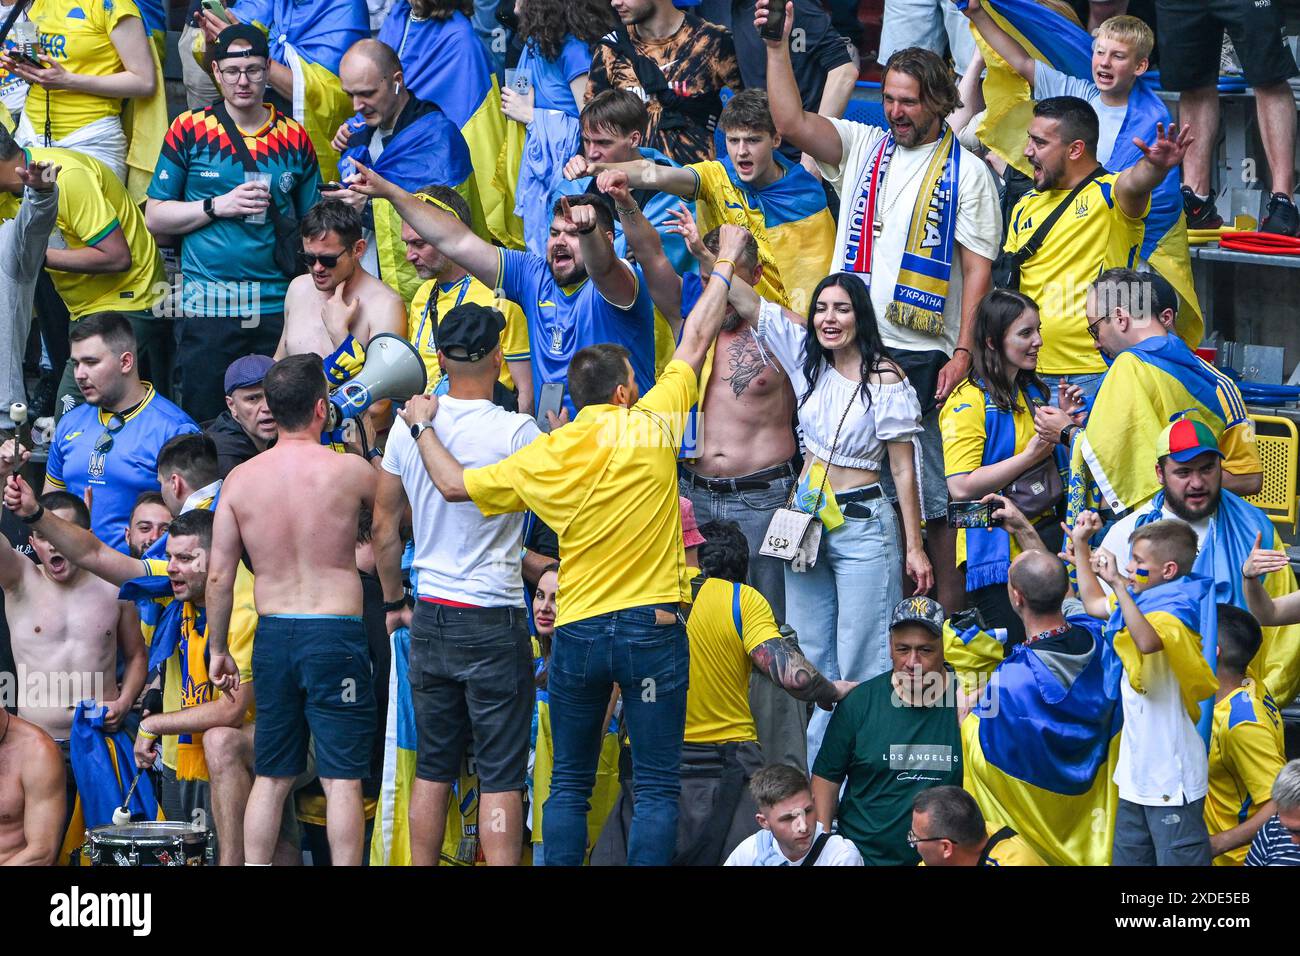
point(971, 514)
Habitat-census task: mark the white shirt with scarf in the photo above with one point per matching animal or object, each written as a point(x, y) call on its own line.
point(978, 227)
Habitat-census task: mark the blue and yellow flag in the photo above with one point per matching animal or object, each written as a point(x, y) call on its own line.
point(1041, 748)
point(1063, 45)
point(428, 150)
point(1186, 616)
point(1227, 543)
point(444, 62)
point(1148, 386)
point(310, 39)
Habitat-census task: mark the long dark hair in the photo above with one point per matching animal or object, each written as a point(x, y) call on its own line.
point(547, 22)
point(995, 314)
point(875, 357)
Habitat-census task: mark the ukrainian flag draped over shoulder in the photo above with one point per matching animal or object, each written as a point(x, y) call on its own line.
point(1192, 653)
point(1149, 385)
point(800, 229)
point(144, 119)
point(444, 62)
point(1230, 539)
point(1065, 46)
point(1040, 749)
point(429, 149)
point(310, 38)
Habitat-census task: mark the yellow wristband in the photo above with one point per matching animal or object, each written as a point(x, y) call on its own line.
point(141, 732)
point(730, 262)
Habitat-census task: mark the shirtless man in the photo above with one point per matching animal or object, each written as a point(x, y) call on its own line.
point(744, 437)
point(337, 297)
point(32, 804)
point(67, 629)
point(310, 643)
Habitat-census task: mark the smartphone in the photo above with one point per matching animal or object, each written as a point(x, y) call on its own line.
point(22, 56)
point(217, 9)
point(971, 514)
point(551, 400)
point(522, 84)
point(775, 24)
point(331, 187)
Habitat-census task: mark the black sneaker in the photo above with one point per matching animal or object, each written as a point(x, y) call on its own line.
point(1200, 212)
point(1282, 219)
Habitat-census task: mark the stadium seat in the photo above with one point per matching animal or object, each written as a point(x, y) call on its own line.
point(1279, 450)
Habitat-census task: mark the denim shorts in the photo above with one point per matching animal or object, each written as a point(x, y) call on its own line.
point(471, 673)
point(313, 679)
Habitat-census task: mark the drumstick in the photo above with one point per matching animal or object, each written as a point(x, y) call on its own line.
point(122, 814)
point(18, 415)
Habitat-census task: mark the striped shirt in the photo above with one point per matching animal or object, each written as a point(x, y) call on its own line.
point(1273, 846)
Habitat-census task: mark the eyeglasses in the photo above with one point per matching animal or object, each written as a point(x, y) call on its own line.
point(1094, 328)
point(329, 262)
point(255, 74)
point(104, 443)
point(913, 839)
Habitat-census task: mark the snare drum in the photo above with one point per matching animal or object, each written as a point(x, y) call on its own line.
point(150, 843)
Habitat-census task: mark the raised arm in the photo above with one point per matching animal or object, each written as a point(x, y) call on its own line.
point(1134, 186)
point(641, 174)
point(706, 318)
point(436, 226)
point(1002, 42)
point(1269, 612)
point(747, 303)
point(614, 279)
point(74, 542)
point(643, 241)
point(1091, 594)
point(810, 132)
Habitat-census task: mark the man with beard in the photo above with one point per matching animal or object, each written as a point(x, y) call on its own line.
point(924, 295)
point(445, 286)
point(566, 312)
point(1103, 229)
point(149, 520)
point(1189, 467)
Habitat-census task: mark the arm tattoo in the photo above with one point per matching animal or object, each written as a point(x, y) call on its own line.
point(784, 664)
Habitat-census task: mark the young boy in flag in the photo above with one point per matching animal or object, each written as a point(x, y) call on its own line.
point(1157, 620)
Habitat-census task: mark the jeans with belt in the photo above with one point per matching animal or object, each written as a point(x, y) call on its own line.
point(840, 607)
point(651, 664)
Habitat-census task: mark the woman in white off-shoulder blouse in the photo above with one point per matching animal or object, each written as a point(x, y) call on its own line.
point(856, 409)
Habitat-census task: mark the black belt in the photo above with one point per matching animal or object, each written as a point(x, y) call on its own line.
point(849, 500)
point(758, 481)
point(492, 616)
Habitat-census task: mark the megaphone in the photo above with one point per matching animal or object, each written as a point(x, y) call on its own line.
point(393, 370)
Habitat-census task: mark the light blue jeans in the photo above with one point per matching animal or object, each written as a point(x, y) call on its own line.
point(840, 607)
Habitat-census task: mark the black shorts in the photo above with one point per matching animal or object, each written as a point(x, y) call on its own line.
point(1191, 34)
point(471, 674)
point(312, 677)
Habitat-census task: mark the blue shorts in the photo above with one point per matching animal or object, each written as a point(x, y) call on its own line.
point(312, 678)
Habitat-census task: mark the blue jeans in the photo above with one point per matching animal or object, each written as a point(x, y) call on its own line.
point(651, 663)
point(840, 607)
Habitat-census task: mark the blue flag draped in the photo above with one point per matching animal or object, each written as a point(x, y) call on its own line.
point(104, 765)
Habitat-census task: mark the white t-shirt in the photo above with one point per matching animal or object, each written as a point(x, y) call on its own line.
point(761, 850)
point(978, 228)
point(1049, 82)
point(1162, 758)
point(459, 554)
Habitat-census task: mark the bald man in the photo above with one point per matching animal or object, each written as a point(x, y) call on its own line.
point(1037, 586)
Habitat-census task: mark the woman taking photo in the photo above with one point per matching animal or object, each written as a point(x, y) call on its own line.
point(857, 411)
point(990, 446)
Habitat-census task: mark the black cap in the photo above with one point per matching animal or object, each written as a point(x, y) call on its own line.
point(921, 610)
point(240, 31)
point(469, 332)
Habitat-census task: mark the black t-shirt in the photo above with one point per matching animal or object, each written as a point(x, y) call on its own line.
point(1077, 640)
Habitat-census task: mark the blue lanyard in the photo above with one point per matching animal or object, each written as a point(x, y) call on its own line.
point(431, 306)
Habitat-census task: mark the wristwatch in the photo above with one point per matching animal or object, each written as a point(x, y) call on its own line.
point(391, 606)
point(418, 429)
point(1066, 432)
point(209, 208)
point(34, 517)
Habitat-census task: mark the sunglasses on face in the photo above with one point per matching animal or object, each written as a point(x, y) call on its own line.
point(329, 262)
point(104, 443)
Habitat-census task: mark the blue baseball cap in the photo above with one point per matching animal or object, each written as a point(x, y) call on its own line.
point(247, 370)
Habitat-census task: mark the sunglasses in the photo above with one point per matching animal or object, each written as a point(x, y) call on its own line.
point(329, 262)
point(104, 443)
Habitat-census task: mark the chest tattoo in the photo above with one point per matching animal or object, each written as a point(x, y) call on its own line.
point(746, 363)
